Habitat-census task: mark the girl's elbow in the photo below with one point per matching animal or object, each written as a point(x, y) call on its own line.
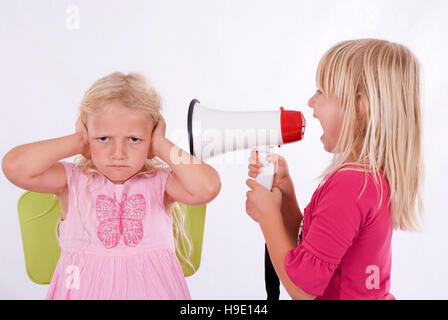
point(209, 193)
point(299, 294)
point(214, 189)
point(295, 292)
point(9, 168)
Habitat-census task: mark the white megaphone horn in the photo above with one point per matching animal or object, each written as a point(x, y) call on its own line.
point(213, 132)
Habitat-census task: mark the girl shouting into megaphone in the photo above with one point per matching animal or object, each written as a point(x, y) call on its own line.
point(368, 104)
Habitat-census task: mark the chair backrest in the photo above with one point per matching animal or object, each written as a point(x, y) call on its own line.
point(39, 215)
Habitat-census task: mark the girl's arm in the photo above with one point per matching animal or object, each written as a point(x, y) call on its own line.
point(292, 216)
point(278, 243)
point(35, 167)
point(264, 207)
point(192, 182)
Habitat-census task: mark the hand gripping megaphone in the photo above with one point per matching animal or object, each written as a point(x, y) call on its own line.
point(213, 132)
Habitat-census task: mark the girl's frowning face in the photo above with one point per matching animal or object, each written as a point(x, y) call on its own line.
point(119, 141)
point(326, 110)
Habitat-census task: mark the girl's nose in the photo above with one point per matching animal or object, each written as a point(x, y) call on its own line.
point(119, 151)
point(311, 101)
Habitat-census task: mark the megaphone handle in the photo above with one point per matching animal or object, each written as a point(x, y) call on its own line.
point(266, 175)
point(266, 178)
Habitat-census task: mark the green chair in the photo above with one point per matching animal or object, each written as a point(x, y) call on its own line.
point(38, 217)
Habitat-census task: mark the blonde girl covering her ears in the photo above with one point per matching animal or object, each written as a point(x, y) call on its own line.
point(119, 198)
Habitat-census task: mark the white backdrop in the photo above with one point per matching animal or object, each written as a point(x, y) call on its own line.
point(235, 55)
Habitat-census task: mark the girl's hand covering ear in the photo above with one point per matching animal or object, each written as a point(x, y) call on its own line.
point(158, 134)
point(81, 128)
point(262, 204)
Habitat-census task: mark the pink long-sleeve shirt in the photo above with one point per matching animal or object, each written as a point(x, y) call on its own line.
point(344, 247)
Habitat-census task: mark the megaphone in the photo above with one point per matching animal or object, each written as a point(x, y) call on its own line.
point(212, 132)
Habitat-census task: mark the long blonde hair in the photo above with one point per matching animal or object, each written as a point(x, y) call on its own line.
point(386, 76)
point(134, 92)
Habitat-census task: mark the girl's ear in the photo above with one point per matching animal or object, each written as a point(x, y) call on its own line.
point(361, 105)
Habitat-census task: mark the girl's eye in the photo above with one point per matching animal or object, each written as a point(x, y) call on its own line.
point(318, 91)
point(106, 139)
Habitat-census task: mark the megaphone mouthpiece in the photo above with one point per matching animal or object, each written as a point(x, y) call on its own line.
point(293, 125)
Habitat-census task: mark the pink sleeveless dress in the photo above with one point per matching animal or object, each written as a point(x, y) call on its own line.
point(117, 241)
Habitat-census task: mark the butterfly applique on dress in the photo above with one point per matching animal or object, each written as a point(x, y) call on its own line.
point(120, 218)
